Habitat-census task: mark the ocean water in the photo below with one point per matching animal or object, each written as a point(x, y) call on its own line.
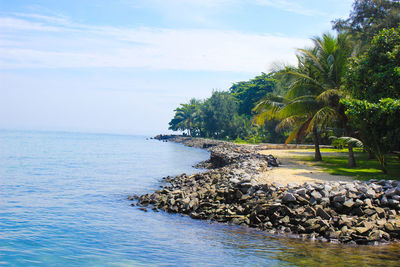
point(63, 202)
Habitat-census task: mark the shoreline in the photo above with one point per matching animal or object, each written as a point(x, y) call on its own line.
point(351, 212)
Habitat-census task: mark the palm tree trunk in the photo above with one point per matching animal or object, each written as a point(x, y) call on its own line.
point(317, 156)
point(352, 159)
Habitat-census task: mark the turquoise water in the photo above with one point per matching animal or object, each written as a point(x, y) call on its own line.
point(63, 203)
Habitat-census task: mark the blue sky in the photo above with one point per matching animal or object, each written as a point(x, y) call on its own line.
point(122, 66)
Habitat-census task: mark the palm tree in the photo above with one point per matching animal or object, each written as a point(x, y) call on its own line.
point(312, 102)
point(333, 54)
point(185, 117)
point(298, 109)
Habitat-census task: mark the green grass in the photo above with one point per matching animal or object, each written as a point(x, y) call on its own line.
point(366, 168)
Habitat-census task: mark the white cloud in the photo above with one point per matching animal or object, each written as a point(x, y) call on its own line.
point(13, 24)
point(75, 46)
point(52, 19)
point(291, 6)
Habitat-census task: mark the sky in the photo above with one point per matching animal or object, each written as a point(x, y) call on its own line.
point(123, 66)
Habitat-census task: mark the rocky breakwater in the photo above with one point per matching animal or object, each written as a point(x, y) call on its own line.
point(346, 212)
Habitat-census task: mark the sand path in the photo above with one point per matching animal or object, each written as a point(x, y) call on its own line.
point(295, 171)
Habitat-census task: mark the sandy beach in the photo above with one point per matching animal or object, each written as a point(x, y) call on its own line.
point(294, 171)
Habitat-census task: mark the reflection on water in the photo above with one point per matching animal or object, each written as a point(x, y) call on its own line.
point(306, 253)
point(292, 251)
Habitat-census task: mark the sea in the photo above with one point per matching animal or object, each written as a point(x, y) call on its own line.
point(63, 202)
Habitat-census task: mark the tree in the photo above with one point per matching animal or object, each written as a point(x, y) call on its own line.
point(219, 115)
point(249, 92)
point(368, 17)
point(312, 102)
point(185, 117)
point(379, 125)
point(376, 74)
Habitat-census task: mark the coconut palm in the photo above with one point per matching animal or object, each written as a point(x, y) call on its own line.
point(185, 117)
point(312, 102)
point(298, 109)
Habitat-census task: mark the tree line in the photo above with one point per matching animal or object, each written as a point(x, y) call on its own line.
point(345, 88)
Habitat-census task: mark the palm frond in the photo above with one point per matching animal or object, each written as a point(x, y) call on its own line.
point(291, 122)
point(311, 56)
point(328, 94)
point(299, 132)
point(348, 140)
point(298, 107)
point(323, 117)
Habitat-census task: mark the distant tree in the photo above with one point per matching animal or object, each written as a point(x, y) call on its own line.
point(249, 92)
point(376, 74)
point(185, 117)
point(368, 17)
point(219, 114)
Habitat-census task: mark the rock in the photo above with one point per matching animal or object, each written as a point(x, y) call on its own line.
point(315, 194)
point(361, 230)
point(370, 193)
point(390, 192)
point(358, 203)
point(288, 197)
point(238, 194)
point(339, 198)
point(323, 214)
point(348, 203)
point(384, 201)
point(344, 220)
point(285, 220)
point(396, 197)
point(369, 212)
point(393, 202)
point(302, 200)
point(311, 222)
point(368, 202)
point(389, 227)
point(301, 192)
point(310, 210)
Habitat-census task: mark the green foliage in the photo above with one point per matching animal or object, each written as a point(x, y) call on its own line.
point(226, 114)
point(376, 74)
point(219, 115)
point(379, 125)
point(341, 142)
point(249, 92)
point(186, 117)
point(369, 17)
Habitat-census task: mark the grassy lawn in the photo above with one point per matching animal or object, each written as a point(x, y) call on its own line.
point(366, 168)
